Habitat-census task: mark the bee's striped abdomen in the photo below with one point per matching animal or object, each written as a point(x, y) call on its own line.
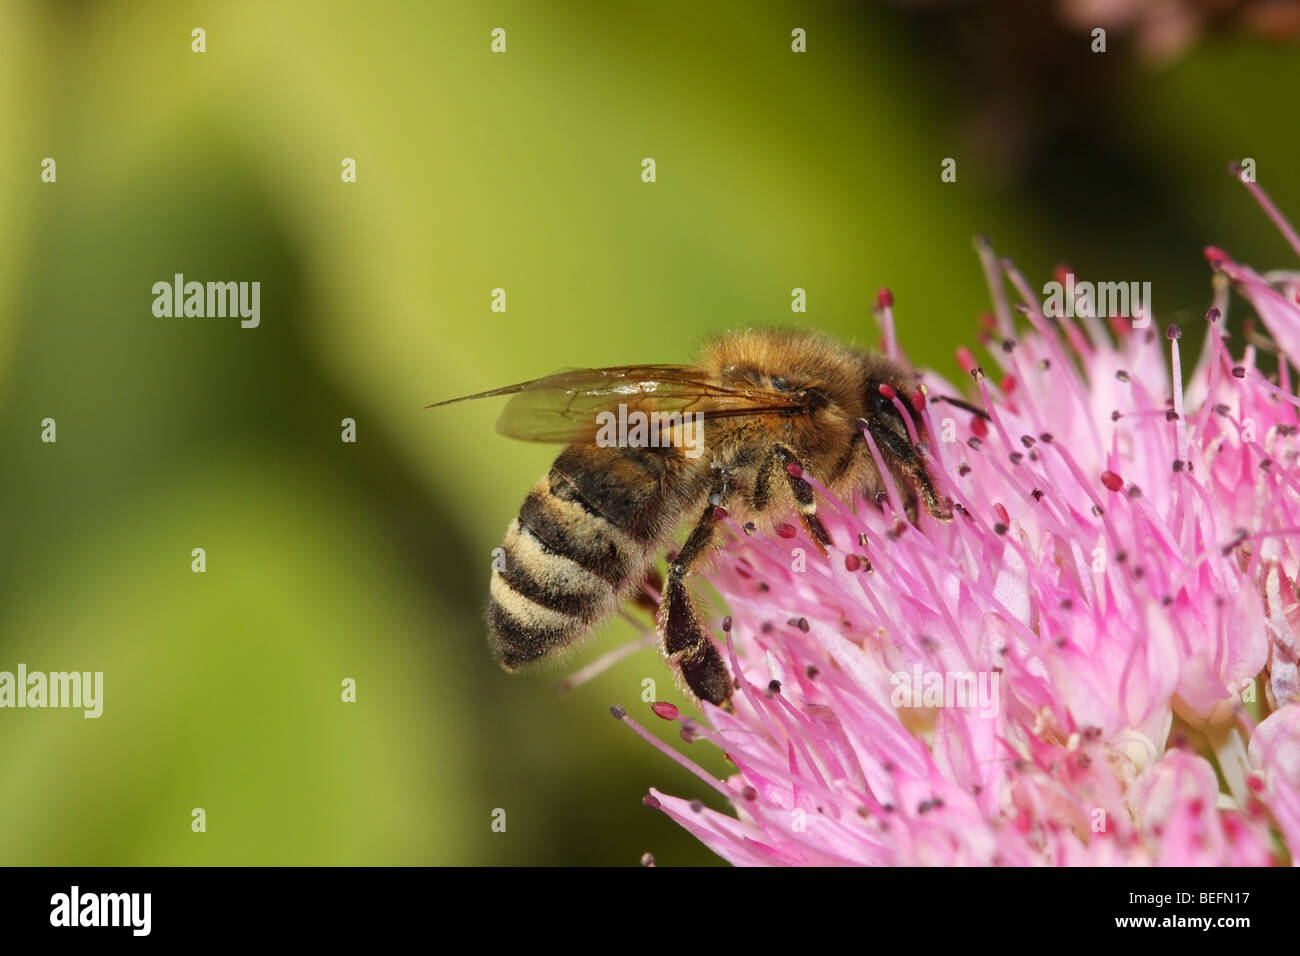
point(584, 535)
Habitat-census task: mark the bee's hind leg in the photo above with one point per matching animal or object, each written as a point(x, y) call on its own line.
point(686, 641)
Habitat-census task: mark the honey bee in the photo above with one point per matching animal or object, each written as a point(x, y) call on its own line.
point(773, 405)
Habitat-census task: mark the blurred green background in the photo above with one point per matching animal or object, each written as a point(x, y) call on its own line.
point(476, 170)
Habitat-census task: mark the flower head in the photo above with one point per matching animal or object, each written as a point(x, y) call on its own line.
point(1094, 663)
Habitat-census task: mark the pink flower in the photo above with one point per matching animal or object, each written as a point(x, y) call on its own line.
point(1165, 28)
point(1054, 676)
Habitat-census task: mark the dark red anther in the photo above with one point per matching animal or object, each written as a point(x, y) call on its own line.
point(1008, 384)
point(918, 400)
point(980, 427)
point(1215, 256)
point(1112, 481)
point(664, 709)
point(651, 801)
point(1001, 512)
point(794, 470)
point(884, 299)
point(786, 530)
point(719, 513)
point(852, 562)
point(887, 390)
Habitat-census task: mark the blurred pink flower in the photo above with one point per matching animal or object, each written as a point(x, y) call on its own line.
point(1096, 633)
point(1165, 28)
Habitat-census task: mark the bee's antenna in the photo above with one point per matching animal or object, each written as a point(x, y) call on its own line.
point(963, 405)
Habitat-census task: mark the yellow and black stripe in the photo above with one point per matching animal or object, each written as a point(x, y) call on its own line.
point(585, 534)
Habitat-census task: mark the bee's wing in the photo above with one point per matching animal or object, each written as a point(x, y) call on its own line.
point(564, 407)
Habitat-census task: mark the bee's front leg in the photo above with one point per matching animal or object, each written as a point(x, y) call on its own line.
point(904, 461)
point(781, 458)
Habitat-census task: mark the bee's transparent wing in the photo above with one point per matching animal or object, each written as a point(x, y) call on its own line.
point(567, 406)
